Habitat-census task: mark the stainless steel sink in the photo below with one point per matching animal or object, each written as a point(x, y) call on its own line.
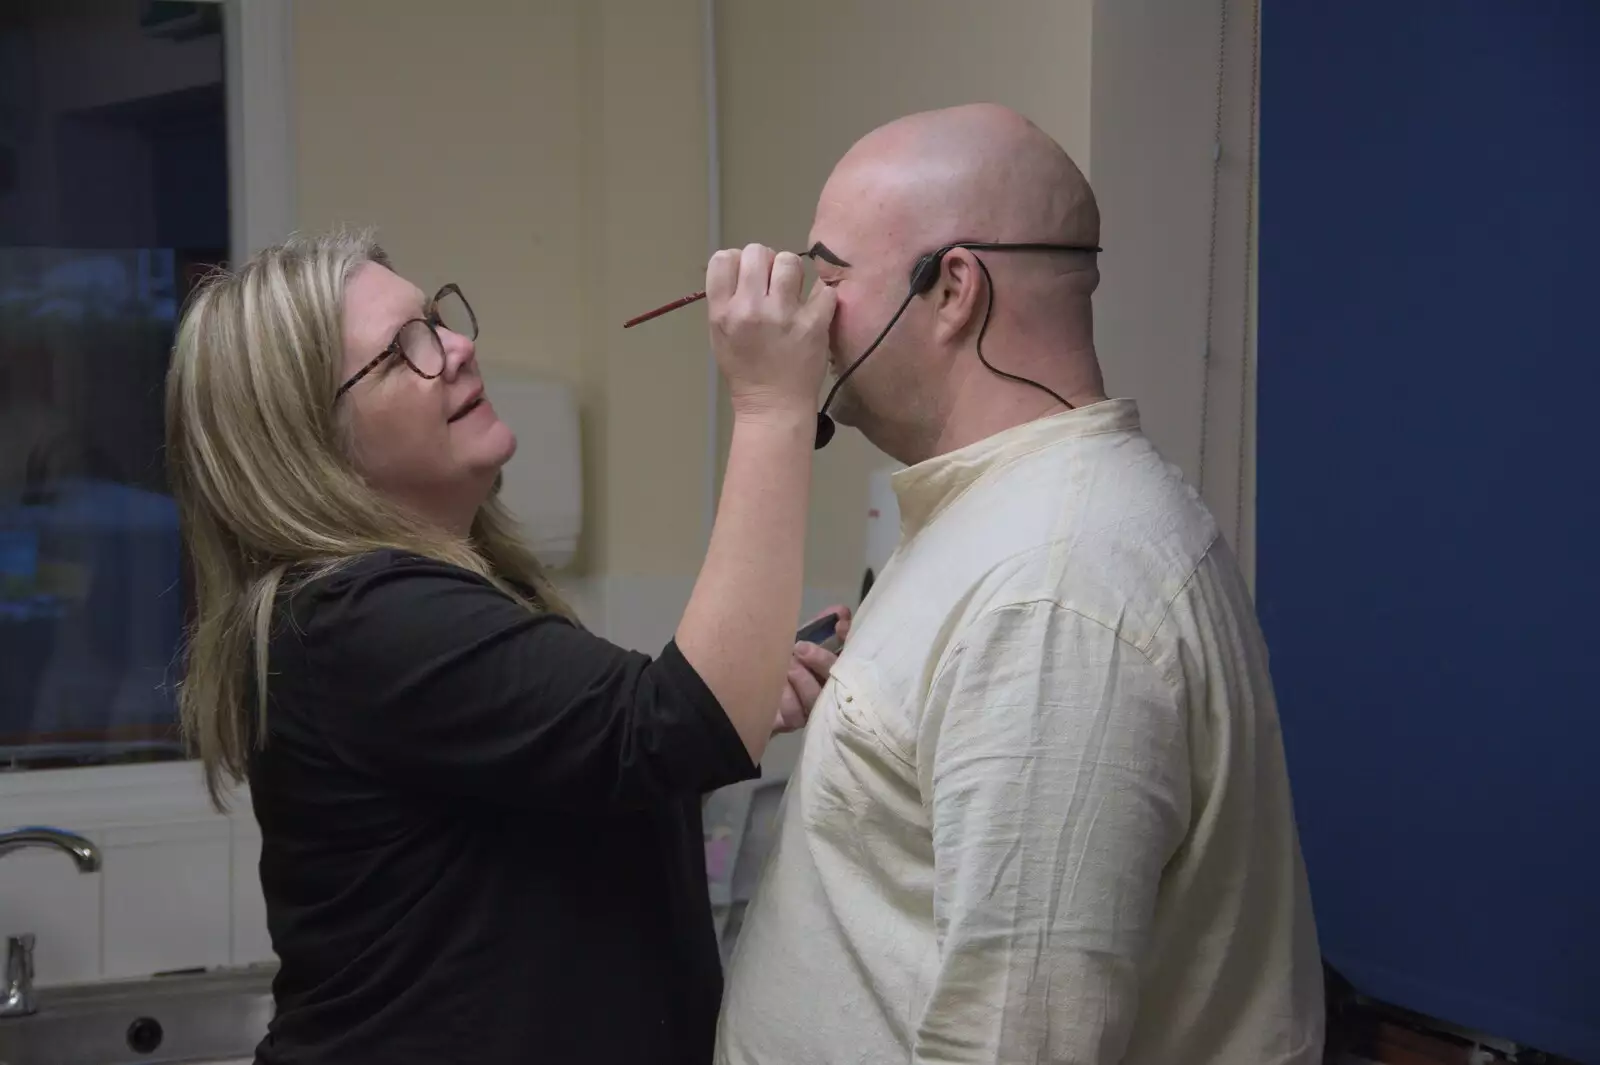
point(207, 1018)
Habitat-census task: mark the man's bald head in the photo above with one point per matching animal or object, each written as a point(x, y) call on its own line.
point(980, 173)
point(977, 172)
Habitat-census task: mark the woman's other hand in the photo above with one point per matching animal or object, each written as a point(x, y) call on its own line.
point(770, 341)
point(809, 669)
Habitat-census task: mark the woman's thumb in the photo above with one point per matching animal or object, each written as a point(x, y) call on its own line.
point(820, 306)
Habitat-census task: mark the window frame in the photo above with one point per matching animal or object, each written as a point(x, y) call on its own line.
point(259, 87)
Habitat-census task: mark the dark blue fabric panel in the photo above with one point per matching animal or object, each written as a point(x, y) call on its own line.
point(1429, 494)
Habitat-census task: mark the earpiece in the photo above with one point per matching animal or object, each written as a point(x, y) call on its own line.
point(924, 275)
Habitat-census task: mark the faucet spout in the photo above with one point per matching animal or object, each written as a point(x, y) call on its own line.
point(16, 992)
point(83, 853)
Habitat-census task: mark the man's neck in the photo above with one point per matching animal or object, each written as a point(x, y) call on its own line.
point(984, 403)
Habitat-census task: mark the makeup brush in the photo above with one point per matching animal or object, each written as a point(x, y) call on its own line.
point(664, 308)
point(818, 251)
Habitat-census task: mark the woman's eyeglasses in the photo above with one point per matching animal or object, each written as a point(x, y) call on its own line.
point(417, 341)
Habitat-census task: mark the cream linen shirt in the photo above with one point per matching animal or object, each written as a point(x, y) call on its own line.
point(1041, 814)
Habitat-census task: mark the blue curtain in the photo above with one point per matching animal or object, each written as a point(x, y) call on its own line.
point(1429, 495)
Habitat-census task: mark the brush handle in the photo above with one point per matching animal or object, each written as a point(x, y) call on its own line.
point(659, 311)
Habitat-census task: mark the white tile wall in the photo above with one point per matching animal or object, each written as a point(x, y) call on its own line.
point(42, 892)
point(165, 897)
point(248, 941)
point(165, 901)
point(178, 887)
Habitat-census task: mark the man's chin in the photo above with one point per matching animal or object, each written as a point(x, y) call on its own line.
point(845, 409)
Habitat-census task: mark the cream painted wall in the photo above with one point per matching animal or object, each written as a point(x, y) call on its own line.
point(1155, 117)
point(549, 157)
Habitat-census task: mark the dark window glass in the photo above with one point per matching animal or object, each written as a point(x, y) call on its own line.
point(113, 201)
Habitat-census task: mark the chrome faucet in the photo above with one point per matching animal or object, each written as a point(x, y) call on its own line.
point(16, 994)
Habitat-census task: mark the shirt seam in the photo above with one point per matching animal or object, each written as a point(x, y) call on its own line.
point(961, 645)
point(1155, 630)
point(1172, 600)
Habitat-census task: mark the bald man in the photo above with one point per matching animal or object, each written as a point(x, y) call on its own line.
point(1042, 813)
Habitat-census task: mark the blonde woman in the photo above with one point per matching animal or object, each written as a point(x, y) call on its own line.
point(480, 823)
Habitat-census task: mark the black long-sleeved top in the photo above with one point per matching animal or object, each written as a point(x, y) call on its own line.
point(481, 835)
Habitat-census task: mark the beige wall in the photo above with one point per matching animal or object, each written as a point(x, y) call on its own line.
point(551, 158)
point(1155, 119)
point(553, 161)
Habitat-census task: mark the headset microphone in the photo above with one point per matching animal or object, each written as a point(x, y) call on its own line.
point(924, 275)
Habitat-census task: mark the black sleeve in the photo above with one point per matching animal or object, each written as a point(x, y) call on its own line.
point(424, 672)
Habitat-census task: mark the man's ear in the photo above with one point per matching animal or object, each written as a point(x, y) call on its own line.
point(961, 295)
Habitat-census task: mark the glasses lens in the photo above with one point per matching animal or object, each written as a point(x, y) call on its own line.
point(422, 349)
point(455, 315)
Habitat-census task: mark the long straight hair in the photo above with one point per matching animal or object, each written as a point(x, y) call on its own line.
point(267, 495)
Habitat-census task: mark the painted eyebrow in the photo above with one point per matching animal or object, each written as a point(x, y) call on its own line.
point(821, 251)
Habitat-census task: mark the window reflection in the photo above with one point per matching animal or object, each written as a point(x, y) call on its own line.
point(113, 201)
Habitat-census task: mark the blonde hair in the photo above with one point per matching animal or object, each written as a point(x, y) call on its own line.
point(265, 486)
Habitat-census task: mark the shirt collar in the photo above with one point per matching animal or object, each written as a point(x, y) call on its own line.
point(923, 490)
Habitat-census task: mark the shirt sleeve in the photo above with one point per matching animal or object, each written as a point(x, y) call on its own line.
point(1058, 786)
point(426, 673)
